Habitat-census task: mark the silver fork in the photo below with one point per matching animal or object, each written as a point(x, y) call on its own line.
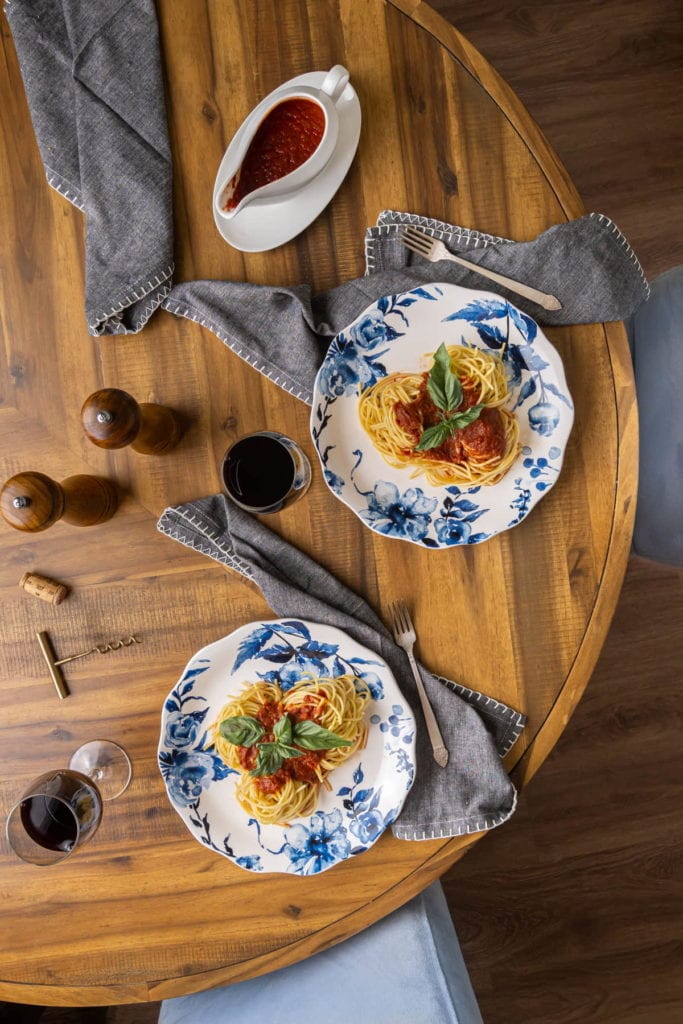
point(405, 637)
point(433, 250)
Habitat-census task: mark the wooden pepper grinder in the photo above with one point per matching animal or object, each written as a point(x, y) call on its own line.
point(113, 419)
point(34, 501)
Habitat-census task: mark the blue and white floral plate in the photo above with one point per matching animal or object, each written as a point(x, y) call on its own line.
point(398, 333)
point(367, 791)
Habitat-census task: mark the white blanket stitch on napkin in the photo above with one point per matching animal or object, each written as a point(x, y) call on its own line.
point(450, 828)
point(437, 228)
point(227, 554)
point(477, 699)
point(266, 369)
point(626, 245)
point(65, 188)
point(158, 287)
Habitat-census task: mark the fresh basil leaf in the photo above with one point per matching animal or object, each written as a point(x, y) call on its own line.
point(442, 359)
point(269, 759)
point(434, 436)
point(462, 419)
point(283, 730)
point(311, 736)
point(288, 751)
point(453, 392)
point(443, 385)
point(436, 382)
point(242, 730)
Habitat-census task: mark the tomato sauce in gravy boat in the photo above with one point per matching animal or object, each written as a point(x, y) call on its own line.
point(282, 145)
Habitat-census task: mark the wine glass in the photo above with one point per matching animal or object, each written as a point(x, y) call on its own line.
point(62, 808)
point(265, 471)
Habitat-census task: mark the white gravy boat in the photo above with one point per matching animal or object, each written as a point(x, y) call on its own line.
point(326, 97)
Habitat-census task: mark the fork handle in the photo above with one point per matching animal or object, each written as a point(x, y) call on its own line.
point(541, 298)
point(439, 750)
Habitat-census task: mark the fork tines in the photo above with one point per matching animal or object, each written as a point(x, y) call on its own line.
point(418, 241)
point(400, 617)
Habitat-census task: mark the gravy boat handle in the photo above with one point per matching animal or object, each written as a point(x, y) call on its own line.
point(335, 82)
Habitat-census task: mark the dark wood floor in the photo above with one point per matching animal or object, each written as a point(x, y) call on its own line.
point(603, 80)
point(571, 912)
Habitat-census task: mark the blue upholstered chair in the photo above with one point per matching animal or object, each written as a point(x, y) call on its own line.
point(656, 338)
point(405, 969)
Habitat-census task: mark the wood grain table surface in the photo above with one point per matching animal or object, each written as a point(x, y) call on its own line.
point(144, 911)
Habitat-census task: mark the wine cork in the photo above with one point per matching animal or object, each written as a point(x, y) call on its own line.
point(43, 587)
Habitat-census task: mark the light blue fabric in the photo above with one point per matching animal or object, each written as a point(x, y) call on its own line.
point(656, 339)
point(405, 969)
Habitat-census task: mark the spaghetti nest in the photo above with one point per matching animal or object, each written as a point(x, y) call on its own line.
point(396, 409)
point(335, 705)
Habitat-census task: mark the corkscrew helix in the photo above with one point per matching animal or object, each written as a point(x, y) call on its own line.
point(114, 645)
point(53, 663)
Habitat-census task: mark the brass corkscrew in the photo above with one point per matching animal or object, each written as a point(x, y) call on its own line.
point(53, 664)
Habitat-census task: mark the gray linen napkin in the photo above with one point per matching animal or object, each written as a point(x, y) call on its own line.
point(587, 263)
point(93, 80)
point(473, 793)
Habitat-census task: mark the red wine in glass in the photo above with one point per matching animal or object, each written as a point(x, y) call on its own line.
point(50, 822)
point(265, 472)
point(61, 809)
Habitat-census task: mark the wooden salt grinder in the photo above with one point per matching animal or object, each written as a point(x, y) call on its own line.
point(113, 419)
point(34, 501)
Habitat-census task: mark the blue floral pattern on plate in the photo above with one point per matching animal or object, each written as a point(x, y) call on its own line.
point(397, 333)
point(368, 791)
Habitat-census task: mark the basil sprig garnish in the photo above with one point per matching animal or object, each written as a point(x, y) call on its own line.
point(445, 391)
point(245, 731)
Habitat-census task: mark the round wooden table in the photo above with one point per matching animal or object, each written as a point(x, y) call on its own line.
point(144, 911)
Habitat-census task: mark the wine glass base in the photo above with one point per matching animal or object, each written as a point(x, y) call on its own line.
point(106, 763)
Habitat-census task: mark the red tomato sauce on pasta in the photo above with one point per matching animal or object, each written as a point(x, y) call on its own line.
point(483, 439)
point(301, 769)
point(288, 135)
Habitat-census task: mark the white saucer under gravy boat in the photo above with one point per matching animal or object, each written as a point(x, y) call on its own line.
point(326, 96)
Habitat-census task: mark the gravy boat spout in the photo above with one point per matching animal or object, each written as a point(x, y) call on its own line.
point(282, 145)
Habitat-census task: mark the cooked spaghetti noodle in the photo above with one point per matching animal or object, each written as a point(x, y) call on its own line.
point(336, 704)
point(395, 410)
